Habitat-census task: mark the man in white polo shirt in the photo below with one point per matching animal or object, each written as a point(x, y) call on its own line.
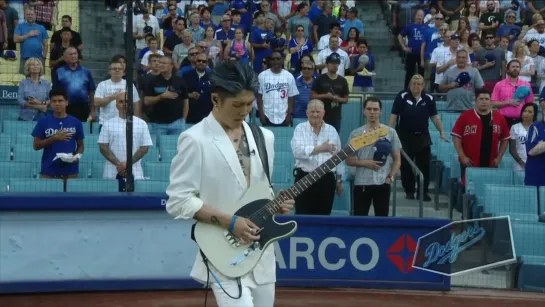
point(333, 47)
point(113, 144)
point(108, 89)
point(276, 91)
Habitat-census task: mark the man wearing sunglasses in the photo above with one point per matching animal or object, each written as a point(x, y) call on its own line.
point(431, 39)
point(198, 88)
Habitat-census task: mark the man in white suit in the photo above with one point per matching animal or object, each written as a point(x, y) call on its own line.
point(216, 162)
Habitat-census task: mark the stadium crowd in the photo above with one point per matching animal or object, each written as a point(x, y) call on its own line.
point(302, 53)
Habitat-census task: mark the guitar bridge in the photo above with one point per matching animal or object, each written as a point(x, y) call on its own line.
point(232, 239)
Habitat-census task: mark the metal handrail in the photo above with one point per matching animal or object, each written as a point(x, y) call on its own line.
point(420, 175)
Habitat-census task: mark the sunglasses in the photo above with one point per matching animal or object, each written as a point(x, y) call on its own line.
point(193, 54)
point(438, 18)
point(490, 37)
point(276, 59)
point(202, 61)
point(306, 68)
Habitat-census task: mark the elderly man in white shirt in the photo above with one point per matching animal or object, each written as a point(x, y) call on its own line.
point(313, 143)
point(113, 144)
point(334, 43)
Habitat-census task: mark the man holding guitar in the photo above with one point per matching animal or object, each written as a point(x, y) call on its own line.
point(219, 162)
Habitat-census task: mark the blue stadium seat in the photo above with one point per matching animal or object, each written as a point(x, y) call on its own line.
point(167, 154)
point(24, 152)
point(152, 155)
point(284, 157)
point(386, 111)
point(481, 176)
point(448, 120)
point(85, 169)
point(5, 139)
point(284, 132)
point(282, 143)
point(168, 141)
point(13, 127)
point(91, 141)
point(150, 186)
point(507, 162)
point(455, 170)
point(444, 150)
point(282, 173)
point(434, 135)
point(87, 128)
point(501, 200)
point(9, 112)
point(528, 238)
point(5, 152)
point(343, 203)
point(24, 138)
point(92, 154)
point(441, 105)
point(36, 185)
point(339, 213)
point(97, 169)
point(157, 170)
point(518, 177)
point(542, 200)
point(15, 169)
point(297, 121)
point(92, 185)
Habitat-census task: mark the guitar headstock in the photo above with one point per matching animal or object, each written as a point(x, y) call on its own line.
point(369, 137)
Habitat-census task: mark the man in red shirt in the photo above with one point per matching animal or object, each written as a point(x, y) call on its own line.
point(481, 135)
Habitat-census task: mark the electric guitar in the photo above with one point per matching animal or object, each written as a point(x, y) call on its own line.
point(226, 252)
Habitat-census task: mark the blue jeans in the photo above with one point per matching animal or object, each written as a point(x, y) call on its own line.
point(176, 127)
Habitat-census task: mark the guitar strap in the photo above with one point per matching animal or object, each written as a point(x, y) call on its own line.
point(261, 148)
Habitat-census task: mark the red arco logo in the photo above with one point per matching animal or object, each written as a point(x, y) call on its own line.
point(401, 253)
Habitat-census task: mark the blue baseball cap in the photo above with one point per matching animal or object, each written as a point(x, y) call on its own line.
point(454, 36)
point(521, 93)
point(490, 57)
point(463, 78)
point(383, 148)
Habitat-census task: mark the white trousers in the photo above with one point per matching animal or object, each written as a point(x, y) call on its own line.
point(253, 295)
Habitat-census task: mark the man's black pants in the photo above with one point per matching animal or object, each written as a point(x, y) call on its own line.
point(318, 198)
point(378, 195)
point(412, 64)
point(422, 160)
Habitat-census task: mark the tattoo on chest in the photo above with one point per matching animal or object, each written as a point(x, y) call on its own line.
point(243, 154)
point(215, 220)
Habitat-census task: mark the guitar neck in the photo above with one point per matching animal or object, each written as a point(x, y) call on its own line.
point(312, 177)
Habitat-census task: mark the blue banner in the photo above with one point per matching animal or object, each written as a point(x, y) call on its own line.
point(324, 252)
point(8, 94)
point(356, 251)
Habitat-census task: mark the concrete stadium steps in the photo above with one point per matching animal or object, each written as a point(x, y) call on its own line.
point(390, 71)
point(102, 35)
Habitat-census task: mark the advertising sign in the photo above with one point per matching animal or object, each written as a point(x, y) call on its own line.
point(8, 94)
point(466, 246)
point(354, 254)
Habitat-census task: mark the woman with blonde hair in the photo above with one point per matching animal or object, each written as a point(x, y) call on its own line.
point(527, 66)
point(33, 93)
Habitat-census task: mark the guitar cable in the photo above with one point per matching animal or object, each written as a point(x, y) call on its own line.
point(209, 272)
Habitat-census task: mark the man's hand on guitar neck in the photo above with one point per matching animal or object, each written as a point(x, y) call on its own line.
point(286, 206)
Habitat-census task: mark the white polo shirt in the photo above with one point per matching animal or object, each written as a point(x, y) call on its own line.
point(275, 90)
point(107, 88)
point(441, 56)
point(114, 134)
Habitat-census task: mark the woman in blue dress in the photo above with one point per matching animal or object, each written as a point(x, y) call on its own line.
point(298, 47)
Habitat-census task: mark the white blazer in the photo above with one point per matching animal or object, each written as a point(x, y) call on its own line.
point(206, 170)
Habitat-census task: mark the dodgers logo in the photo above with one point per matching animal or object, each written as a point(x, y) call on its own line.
point(441, 253)
point(270, 87)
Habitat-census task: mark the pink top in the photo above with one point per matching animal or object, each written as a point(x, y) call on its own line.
point(504, 90)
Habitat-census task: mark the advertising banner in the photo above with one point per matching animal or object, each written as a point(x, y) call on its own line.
point(8, 94)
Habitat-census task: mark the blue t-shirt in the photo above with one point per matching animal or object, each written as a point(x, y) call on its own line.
point(260, 36)
point(365, 81)
point(222, 35)
point(313, 13)
point(78, 83)
point(32, 47)
point(211, 24)
point(415, 36)
point(47, 127)
point(535, 165)
point(245, 18)
point(505, 30)
point(295, 58)
point(431, 36)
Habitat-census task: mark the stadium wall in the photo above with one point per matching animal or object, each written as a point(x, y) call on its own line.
point(57, 242)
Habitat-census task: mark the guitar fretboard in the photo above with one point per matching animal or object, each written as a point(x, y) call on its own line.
point(311, 178)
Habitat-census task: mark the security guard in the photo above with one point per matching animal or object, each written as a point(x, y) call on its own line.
point(410, 114)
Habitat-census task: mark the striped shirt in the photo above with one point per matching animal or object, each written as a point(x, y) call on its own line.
point(301, 100)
